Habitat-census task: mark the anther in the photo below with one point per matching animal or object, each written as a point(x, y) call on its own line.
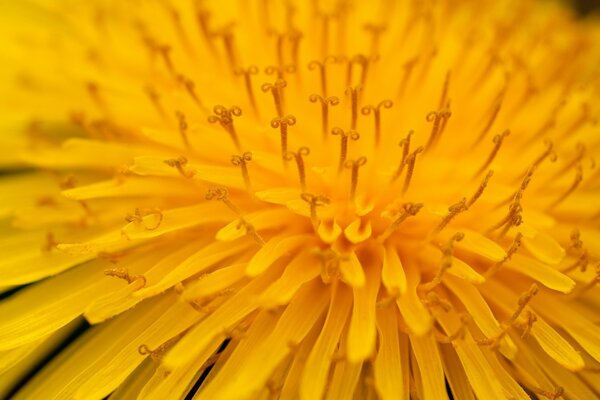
point(548, 153)
point(224, 116)
point(581, 150)
point(410, 161)
point(283, 123)
point(247, 73)
point(222, 194)
point(322, 66)
point(405, 144)
point(344, 137)
point(408, 210)
point(123, 273)
point(241, 161)
point(276, 90)
point(180, 163)
point(432, 300)
point(366, 110)
point(354, 166)
point(352, 92)
point(446, 263)
point(183, 128)
point(439, 119)
point(139, 214)
point(157, 353)
point(514, 247)
point(325, 103)
point(530, 319)
point(498, 139)
point(571, 189)
point(314, 201)
point(376, 30)
point(298, 156)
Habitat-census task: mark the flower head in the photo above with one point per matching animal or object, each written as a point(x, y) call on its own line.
point(292, 200)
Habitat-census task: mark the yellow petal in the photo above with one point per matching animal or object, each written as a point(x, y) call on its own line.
point(300, 270)
point(388, 367)
point(544, 248)
point(556, 346)
point(295, 322)
point(477, 243)
point(358, 232)
point(362, 331)
point(542, 273)
point(260, 220)
point(458, 380)
point(415, 314)
point(314, 376)
point(214, 282)
point(274, 249)
point(392, 273)
point(352, 271)
point(425, 349)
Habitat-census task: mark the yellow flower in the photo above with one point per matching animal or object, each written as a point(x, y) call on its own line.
point(340, 199)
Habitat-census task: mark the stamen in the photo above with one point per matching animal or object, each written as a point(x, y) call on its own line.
point(581, 150)
point(50, 243)
point(354, 165)
point(158, 353)
point(183, 127)
point(251, 230)
point(353, 93)
point(574, 185)
point(222, 194)
point(595, 281)
point(280, 71)
point(224, 116)
point(123, 273)
point(314, 201)
point(330, 263)
point(514, 247)
point(548, 153)
point(247, 73)
point(408, 67)
point(276, 90)
point(408, 210)
point(530, 319)
point(139, 214)
point(364, 63)
point(460, 332)
point(322, 71)
point(295, 36)
point(302, 152)
point(203, 18)
point(326, 18)
point(524, 299)
point(498, 139)
point(432, 300)
point(226, 34)
point(405, 144)
point(445, 90)
point(490, 122)
point(410, 161)
point(282, 123)
point(480, 189)
point(180, 163)
point(376, 30)
point(439, 119)
point(583, 257)
point(164, 51)
point(241, 161)
point(344, 136)
point(366, 110)
point(325, 103)
point(94, 92)
point(446, 263)
point(555, 394)
point(190, 88)
point(155, 99)
point(453, 211)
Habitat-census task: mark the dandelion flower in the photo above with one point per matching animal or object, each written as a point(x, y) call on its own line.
point(256, 199)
